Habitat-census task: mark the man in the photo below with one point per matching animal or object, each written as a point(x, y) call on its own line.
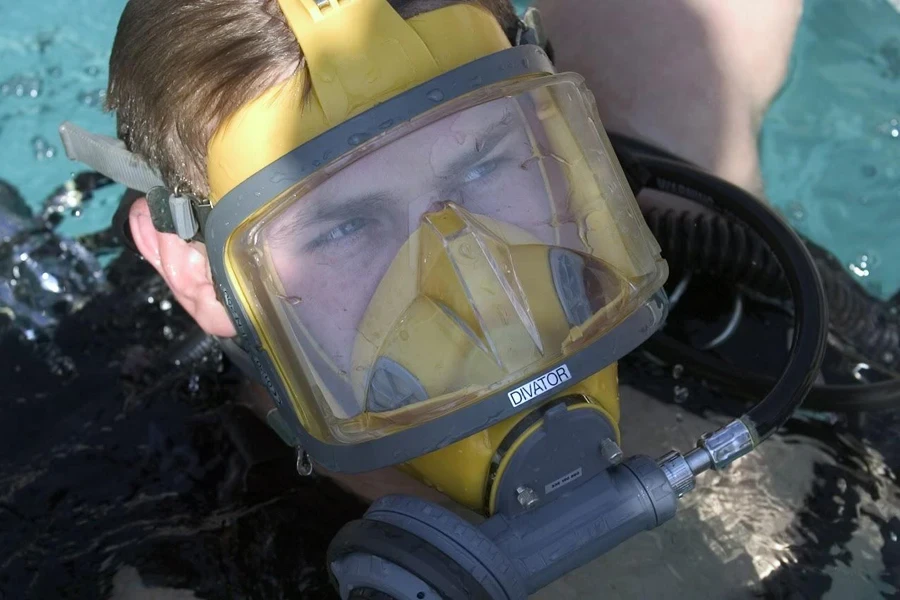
point(183, 74)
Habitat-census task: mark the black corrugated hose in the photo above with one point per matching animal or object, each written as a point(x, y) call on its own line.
point(717, 243)
point(714, 244)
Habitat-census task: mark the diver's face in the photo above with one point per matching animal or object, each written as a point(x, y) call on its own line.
point(333, 247)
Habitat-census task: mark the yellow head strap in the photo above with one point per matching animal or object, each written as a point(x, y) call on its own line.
point(357, 53)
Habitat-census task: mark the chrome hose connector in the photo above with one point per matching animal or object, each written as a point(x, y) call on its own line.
point(678, 472)
point(727, 444)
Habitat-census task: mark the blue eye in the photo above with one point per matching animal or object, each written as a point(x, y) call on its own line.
point(345, 229)
point(479, 171)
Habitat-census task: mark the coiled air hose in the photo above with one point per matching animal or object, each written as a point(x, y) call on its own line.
point(714, 244)
point(721, 245)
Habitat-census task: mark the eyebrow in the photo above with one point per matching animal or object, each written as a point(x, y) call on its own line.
point(334, 209)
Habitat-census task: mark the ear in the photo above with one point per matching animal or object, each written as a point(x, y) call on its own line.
point(184, 267)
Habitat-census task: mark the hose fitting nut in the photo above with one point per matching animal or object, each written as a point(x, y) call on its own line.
point(678, 472)
point(727, 444)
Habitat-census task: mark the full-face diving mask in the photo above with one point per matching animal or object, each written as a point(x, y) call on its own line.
point(433, 259)
point(418, 237)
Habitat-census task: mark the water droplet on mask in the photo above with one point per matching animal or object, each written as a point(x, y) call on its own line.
point(386, 124)
point(435, 95)
point(796, 211)
point(680, 394)
point(677, 370)
point(475, 81)
point(525, 62)
point(295, 300)
point(404, 335)
point(357, 138)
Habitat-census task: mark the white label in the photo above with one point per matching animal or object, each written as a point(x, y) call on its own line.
point(552, 487)
point(542, 384)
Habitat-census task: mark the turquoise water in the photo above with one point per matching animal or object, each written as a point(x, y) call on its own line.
point(53, 67)
point(830, 146)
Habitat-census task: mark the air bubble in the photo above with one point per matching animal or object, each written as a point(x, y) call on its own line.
point(42, 148)
point(797, 212)
point(92, 98)
point(92, 70)
point(194, 384)
point(677, 371)
point(861, 266)
point(168, 333)
point(842, 485)
point(435, 95)
point(62, 366)
point(680, 394)
point(165, 306)
point(21, 86)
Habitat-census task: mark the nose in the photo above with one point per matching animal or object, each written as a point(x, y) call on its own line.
point(417, 214)
point(437, 206)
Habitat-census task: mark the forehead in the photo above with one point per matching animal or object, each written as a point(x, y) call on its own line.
point(448, 135)
point(419, 157)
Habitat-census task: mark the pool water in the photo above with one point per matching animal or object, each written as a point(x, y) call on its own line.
point(53, 67)
point(830, 144)
point(831, 167)
point(117, 471)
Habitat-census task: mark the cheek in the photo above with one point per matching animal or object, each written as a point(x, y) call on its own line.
point(334, 298)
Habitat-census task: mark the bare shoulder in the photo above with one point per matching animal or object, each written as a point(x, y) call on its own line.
point(694, 76)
